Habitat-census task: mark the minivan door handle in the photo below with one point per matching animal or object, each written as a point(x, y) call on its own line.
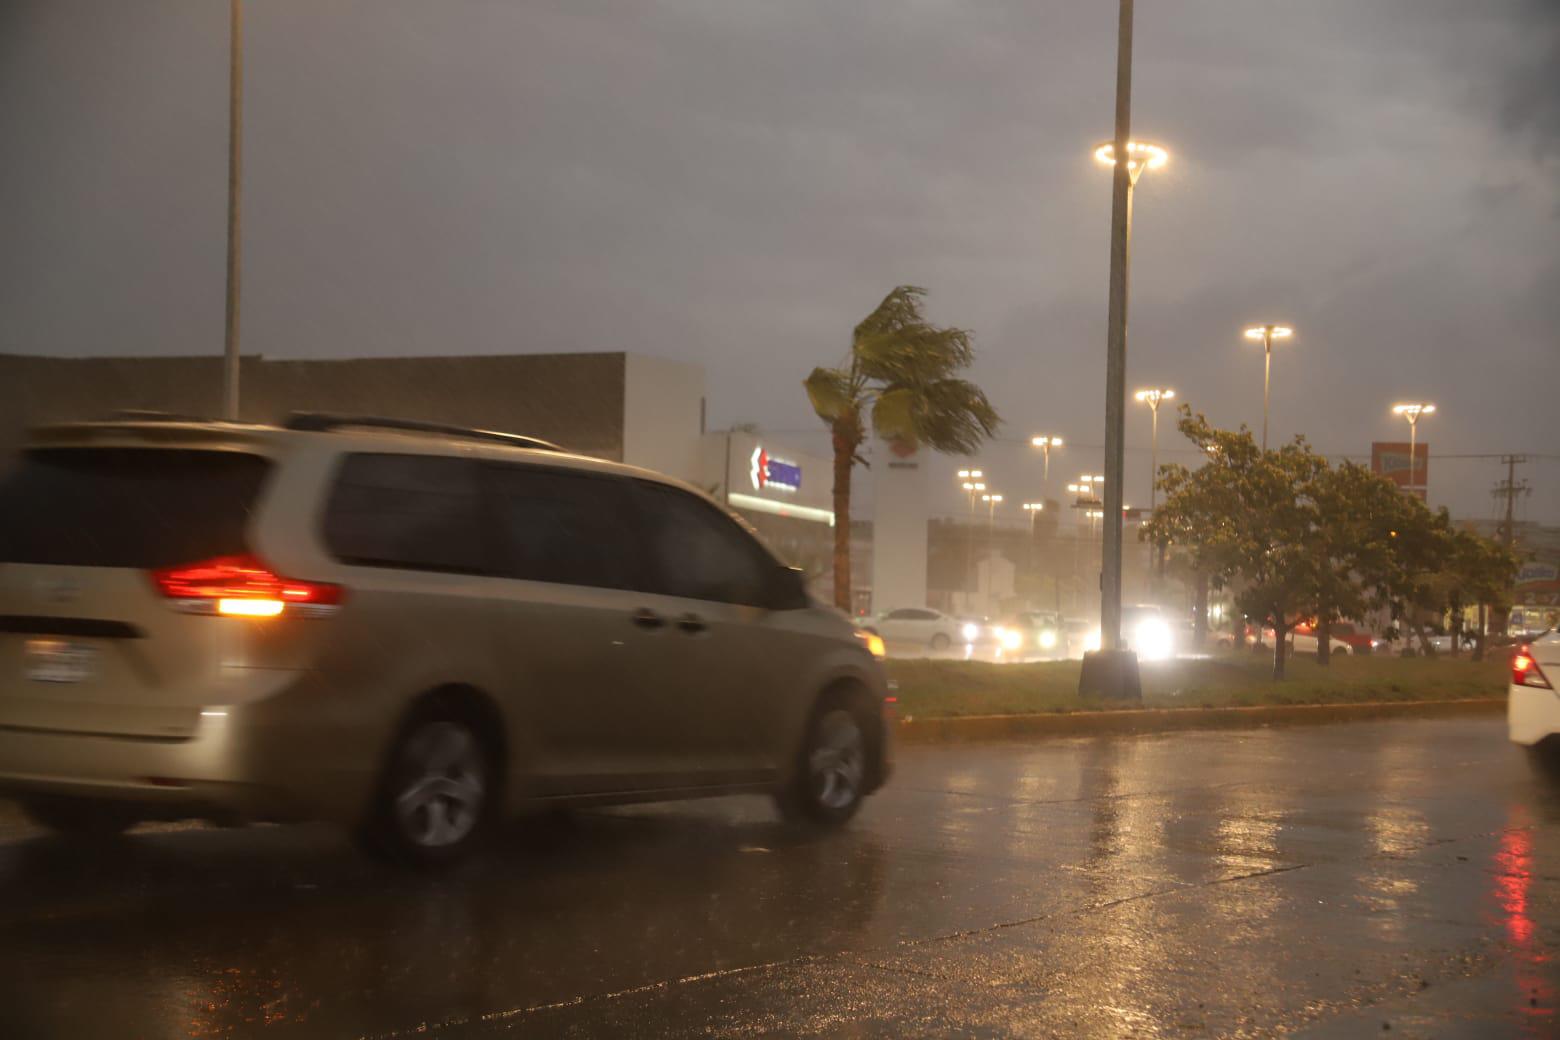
point(644, 617)
point(693, 624)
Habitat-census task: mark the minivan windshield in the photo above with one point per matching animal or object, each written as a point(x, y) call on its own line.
point(127, 507)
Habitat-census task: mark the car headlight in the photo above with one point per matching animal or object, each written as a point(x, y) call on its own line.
point(971, 631)
point(1010, 638)
point(873, 642)
point(1093, 642)
point(1153, 640)
point(1047, 639)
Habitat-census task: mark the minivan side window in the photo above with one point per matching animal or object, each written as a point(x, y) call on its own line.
point(563, 527)
point(698, 552)
point(418, 512)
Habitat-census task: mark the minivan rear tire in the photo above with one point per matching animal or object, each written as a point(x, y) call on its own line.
point(434, 804)
point(831, 771)
point(80, 818)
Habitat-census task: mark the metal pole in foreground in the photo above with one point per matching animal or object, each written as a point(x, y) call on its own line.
point(235, 157)
point(1116, 355)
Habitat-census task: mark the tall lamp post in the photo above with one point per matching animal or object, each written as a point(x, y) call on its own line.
point(1412, 411)
point(1267, 334)
point(969, 480)
point(1153, 397)
point(1117, 675)
point(235, 183)
point(1045, 443)
point(992, 501)
point(1033, 509)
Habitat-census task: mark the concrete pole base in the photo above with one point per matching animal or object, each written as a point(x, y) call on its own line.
point(1111, 675)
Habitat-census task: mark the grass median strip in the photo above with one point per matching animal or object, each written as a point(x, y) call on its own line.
point(950, 689)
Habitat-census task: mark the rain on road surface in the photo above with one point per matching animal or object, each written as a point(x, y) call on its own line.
point(1396, 879)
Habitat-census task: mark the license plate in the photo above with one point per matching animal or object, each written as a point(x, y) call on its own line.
point(59, 661)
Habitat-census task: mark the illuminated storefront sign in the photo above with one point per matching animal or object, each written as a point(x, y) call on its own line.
point(771, 474)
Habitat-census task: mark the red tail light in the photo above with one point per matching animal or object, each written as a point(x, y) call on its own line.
point(1525, 670)
point(241, 585)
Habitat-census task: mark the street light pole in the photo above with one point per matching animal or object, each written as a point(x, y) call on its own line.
point(235, 183)
point(991, 541)
point(970, 482)
point(1412, 412)
point(1154, 397)
point(1267, 334)
point(1116, 337)
point(1045, 443)
point(1128, 159)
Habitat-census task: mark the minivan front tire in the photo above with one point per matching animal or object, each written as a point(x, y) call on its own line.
point(436, 799)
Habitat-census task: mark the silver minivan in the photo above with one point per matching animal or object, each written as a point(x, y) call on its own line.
point(407, 629)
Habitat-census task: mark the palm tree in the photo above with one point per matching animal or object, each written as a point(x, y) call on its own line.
point(901, 370)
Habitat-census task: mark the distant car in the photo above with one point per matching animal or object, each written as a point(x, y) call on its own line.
point(1030, 634)
point(1304, 640)
point(1359, 640)
point(923, 627)
point(1533, 701)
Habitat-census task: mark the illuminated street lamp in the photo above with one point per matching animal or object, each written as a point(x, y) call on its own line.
point(1154, 397)
point(1412, 412)
point(1267, 334)
point(1128, 159)
point(1045, 443)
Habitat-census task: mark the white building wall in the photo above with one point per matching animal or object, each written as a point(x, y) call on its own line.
point(899, 517)
point(663, 409)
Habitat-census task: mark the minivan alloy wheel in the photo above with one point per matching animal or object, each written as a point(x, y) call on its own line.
point(837, 763)
point(444, 787)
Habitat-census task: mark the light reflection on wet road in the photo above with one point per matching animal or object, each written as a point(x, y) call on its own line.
point(1326, 881)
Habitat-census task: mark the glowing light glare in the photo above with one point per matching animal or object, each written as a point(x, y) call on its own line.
point(1048, 639)
point(1413, 410)
point(1034, 507)
point(970, 474)
point(991, 498)
point(1010, 638)
point(250, 607)
point(1153, 640)
point(1154, 396)
point(874, 644)
point(1275, 331)
point(1046, 442)
point(970, 631)
point(1140, 154)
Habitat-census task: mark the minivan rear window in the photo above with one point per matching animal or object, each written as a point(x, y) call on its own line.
point(127, 507)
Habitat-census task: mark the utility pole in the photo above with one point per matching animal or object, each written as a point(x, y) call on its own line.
point(1509, 489)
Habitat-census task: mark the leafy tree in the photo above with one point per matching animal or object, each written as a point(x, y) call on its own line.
point(902, 375)
point(1483, 570)
point(1353, 541)
point(1246, 520)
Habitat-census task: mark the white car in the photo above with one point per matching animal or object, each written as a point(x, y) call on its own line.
point(1533, 707)
point(1308, 643)
point(923, 627)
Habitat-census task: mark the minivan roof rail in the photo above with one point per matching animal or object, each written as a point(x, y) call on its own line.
point(322, 422)
point(154, 415)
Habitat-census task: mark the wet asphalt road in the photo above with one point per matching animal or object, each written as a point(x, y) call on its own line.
point(1396, 879)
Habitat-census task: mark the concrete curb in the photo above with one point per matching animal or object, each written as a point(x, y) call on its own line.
point(1163, 720)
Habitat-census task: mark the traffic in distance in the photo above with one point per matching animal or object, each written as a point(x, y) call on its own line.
point(406, 630)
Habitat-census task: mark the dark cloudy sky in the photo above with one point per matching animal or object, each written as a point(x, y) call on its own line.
point(736, 183)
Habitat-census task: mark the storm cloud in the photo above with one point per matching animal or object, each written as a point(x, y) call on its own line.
point(737, 183)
